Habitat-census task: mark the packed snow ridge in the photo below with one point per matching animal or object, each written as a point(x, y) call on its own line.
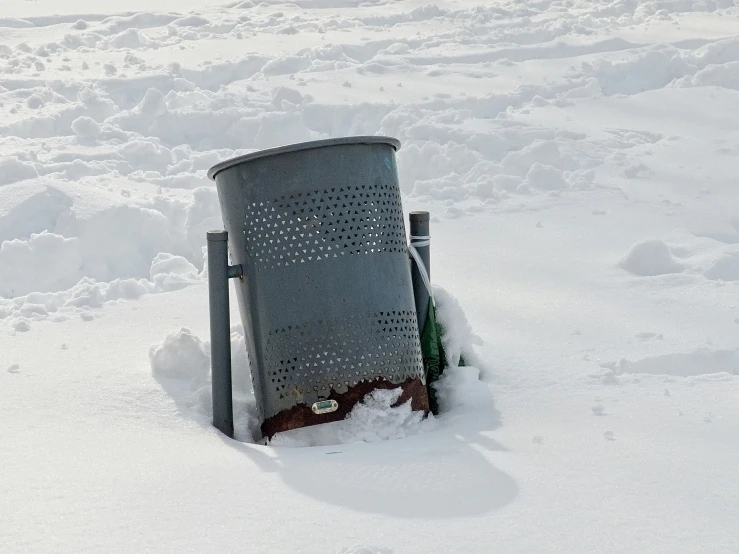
point(107, 169)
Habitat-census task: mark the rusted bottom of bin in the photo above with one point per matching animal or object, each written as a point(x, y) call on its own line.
point(302, 415)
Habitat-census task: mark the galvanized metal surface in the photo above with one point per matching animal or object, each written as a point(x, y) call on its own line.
point(213, 171)
point(420, 227)
point(326, 300)
point(220, 332)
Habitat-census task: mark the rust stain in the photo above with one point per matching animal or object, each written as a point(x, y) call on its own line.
point(302, 415)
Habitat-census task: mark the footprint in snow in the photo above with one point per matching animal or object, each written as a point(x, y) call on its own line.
point(361, 549)
point(598, 410)
point(15, 368)
point(608, 435)
point(650, 336)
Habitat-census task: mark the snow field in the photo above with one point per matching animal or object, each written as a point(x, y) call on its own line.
point(579, 161)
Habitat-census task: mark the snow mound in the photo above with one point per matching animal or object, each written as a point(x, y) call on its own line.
point(45, 261)
point(459, 337)
point(371, 420)
point(50, 239)
point(375, 418)
point(181, 365)
point(182, 355)
point(34, 294)
point(169, 272)
point(725, 268)
point(545, 177)
point(86, 127)
point(651, 258)
point(13, 170)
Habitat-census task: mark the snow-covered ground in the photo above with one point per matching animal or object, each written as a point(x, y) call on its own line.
point(580, 160)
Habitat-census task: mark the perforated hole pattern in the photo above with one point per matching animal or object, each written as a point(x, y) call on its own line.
point(304, 361)
point(323, 224)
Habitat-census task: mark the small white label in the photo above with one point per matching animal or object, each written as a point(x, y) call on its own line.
point(325, 407)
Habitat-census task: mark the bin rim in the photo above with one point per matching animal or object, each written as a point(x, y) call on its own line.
point(213, 171)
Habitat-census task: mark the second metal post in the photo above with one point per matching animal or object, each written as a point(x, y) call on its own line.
point(419, 228)
point(220, 332)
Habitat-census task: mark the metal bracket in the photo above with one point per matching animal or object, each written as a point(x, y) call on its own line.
point(235, 271)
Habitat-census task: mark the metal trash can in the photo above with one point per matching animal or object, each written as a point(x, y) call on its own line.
point(326, 297)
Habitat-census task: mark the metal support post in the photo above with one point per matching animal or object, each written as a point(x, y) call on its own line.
point(419, 227)
point(220, 330)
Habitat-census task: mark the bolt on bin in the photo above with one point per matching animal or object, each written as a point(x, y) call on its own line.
point(317, 236)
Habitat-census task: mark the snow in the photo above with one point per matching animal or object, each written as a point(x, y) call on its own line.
point(651, 258)
point(579, 162)
point(374, 419)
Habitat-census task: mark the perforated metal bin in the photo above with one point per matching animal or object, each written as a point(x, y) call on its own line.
point(326, 298)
